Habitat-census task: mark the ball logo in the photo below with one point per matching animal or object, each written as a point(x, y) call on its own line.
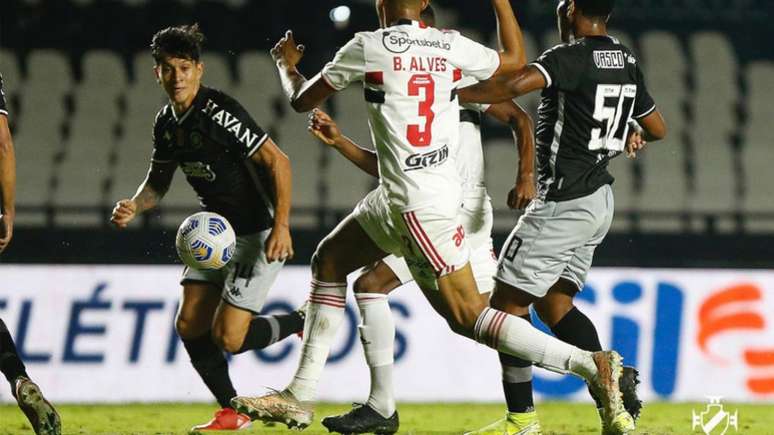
point(215, 226)
point(192, 225)
point(228, 253)
point(200, 250)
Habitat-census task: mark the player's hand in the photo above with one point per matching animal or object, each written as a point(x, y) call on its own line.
point(123, 213)
point(6, 230)
point(286, 52)
point(323, 127)
point(635, 143)
point(279, 245)
point(522, 193)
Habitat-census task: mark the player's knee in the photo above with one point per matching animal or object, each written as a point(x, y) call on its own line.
point(463, 319)
point(187, 328)
point(322, 263)
point(369, 282)
point(552, 311)
point(228, 341)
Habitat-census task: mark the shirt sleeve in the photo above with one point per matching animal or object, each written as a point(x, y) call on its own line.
point(643, 102)
point(162, 140)
point(244, 136)
point(347, 66)
point(562, 66)
point(3, 106)
point(474, 59)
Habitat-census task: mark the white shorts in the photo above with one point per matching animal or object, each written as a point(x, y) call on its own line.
point(555, 240)
point(476, 216)
point(374, 216)
point(247, 278)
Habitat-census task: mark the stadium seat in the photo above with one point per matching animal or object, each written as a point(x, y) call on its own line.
point(258, 87)
point(664, 184)
point(92, 137)
point(714, 100)
point(217, 73)
point(758, 153)
point(9, 68)
point(501, 161)
point(346, 183)
point(305, 157)
point(179, 202)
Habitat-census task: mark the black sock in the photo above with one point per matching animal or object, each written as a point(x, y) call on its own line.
point(518, 395)
point(10, 363)
point(267, 330)
point(577, 329)
point(211, 364)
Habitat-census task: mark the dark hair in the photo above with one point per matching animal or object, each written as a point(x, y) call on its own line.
point(184, 42)
point(595, 8)
point(428, 16)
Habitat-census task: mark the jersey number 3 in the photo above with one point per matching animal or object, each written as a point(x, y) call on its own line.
point(416, 136)
point(612, 108)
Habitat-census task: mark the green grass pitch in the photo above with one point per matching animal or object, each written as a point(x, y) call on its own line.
point(556, 418)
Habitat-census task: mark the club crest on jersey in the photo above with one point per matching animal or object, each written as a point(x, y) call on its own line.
point(399, 42)
point(427, 160)
point(198, 170)
point(231, 123)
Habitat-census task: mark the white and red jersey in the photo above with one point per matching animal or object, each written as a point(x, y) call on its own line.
point(409, 73)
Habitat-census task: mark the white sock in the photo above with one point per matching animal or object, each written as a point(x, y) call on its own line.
point(323, 318)
point(377, 333)
point(515, 336)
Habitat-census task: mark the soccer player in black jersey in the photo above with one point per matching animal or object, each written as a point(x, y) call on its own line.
point(240, 173)
point(594, 106)
point(41, 414)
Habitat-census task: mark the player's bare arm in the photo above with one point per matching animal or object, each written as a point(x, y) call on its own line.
point(7, 183)
point(512, 54)
point(521, 126)
point(148, 195)
point(303, 94)
point(279, 245)
point(504, 87)
point(651, 128)
point(323, 127)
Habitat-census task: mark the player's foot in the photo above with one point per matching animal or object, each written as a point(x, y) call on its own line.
point(41, 414)
point(225, 419)
point(628, 385)
point(279, 406)
point(362, 419)
point(514, 423)
point(615, 418)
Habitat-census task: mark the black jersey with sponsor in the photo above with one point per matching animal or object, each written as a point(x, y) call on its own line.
point(212, 143)
point(3, 107)
point(594, 87)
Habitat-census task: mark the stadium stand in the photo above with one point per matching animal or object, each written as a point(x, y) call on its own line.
point(711, 174)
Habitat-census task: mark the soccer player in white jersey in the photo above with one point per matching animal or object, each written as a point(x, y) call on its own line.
point(377, 328)
point(409, 72)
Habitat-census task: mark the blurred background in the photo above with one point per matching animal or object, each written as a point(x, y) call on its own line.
point(82, 98)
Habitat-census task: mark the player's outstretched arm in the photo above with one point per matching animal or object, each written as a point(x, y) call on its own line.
point(148, 195)
point(7, 183)
point(521, 125)
point(303, 94)
point(323, 127)
point(512, 54)
point(502, 88)
point(279, 245)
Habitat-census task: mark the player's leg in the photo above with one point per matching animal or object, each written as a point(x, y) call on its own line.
point(331, 264)
point(237, 327)
point(41, 414)
point(201, 296)
point(377, 334)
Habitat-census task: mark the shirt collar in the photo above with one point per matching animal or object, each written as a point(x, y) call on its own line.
point(407, 22)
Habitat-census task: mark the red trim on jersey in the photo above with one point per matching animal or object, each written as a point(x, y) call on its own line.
point(457, 74)
point(422, 25)
point(374, 77)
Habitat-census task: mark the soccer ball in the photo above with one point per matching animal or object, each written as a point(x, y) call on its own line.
point(205, 240)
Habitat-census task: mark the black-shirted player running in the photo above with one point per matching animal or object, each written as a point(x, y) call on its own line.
point(41, 414)
point(594, 106)
point(240, 173)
